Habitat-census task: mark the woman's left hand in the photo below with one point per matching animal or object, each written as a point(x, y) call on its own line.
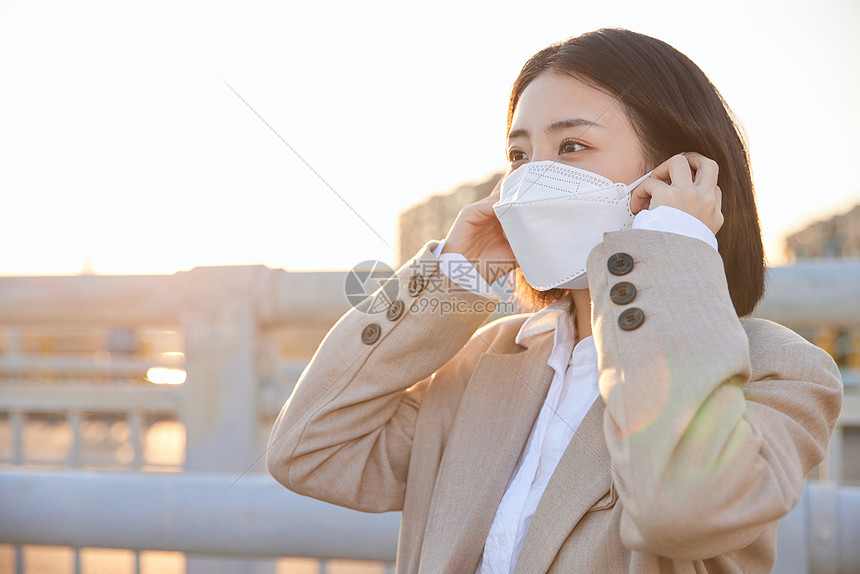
point(687, 181)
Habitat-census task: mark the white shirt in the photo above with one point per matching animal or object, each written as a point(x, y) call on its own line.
point(571, 393)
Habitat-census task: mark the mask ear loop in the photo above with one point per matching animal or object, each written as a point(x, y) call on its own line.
point(638, 182)
point(633, 186)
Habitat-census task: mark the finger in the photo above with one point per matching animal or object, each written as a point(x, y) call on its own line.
point(680, 172)
point(642, 195)
point(673, 170)
point(661, 172)
point(707, 170)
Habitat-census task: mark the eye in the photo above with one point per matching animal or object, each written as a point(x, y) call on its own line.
point(516, 156)
point(570, 146)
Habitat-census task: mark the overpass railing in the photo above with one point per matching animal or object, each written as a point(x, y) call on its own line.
point(134, 412)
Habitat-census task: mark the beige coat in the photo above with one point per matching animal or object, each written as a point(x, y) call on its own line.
point(700, 441)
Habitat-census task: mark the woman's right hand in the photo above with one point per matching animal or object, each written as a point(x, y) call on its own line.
point(477, 235)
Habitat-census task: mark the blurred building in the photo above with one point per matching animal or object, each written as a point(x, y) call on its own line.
point(432, 218)
point(834, 238)
point(838, 236)
point(831, 239)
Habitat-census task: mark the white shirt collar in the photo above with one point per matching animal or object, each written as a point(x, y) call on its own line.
point(545, 319)
point(549, 319)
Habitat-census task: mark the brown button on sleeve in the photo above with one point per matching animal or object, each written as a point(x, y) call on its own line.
point(631, 319)
point(416, 285)
point(622, 293)
point(395, 310)
point(620, 264)
point(370, 334)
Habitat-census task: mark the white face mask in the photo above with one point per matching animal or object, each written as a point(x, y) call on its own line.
point(554, 215)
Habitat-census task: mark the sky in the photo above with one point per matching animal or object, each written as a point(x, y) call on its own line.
point(125, 149)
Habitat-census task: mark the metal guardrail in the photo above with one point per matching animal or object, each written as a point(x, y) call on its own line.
point(196, 513)
point(819, 536)
point(277, 296)
point(237, 379)
point(208, 513)
point(812, 293)
point(807, 293)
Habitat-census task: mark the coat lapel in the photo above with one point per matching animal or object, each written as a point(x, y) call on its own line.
point(582, 477)
point(496, 415)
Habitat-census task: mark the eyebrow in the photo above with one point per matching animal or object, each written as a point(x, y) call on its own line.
point(557, 127)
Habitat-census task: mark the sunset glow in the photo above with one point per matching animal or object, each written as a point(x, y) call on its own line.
point(124, 150)
point(165, 376)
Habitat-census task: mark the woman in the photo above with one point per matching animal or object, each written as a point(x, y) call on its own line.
point(640, 421)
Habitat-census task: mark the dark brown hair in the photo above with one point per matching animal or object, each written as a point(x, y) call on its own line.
point(674, 108)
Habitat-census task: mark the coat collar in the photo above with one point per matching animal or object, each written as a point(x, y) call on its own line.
point(496, 415)
point(582, 477)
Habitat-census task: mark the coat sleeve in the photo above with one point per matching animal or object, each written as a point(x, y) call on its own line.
point(711, 427)
point(345, 434)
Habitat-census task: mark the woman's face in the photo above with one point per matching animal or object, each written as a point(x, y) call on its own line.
point(564, 119)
